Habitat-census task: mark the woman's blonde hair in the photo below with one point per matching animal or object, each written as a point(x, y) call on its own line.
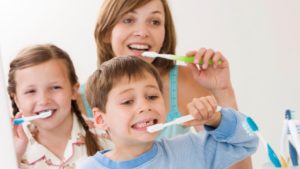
point(112, 11)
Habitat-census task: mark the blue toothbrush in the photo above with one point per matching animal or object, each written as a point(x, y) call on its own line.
point(293, 154)
point(292, 128)
point(251, 127)
point(30, 118)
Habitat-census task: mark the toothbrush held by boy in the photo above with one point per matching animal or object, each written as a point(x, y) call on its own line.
point(131, 100)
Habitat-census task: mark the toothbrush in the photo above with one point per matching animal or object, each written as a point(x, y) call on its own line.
point(251, 127)
point(30, 118)
point(293, 154)
point(180, 120)
point(293, 130)
point(186, 59)
point(284, 134)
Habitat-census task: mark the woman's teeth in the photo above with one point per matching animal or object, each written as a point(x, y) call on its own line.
point(139, 47)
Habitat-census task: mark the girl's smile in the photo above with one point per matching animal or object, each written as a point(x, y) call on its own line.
point(45, 87)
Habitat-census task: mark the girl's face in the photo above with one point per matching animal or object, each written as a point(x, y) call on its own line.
point(140, 30)
point(131, 107)
point(42, 87)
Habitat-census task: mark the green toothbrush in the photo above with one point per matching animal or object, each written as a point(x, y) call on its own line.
point(186, 59)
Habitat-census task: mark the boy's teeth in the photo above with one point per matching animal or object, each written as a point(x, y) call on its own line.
point(140, 47)
point(144, 124)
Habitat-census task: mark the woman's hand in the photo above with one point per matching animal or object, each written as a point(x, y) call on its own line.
point(20, 139)
point(213, 77)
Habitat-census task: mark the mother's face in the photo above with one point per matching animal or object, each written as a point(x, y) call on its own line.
point(142, 29)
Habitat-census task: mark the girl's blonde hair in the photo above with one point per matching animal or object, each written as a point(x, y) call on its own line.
point(112, 11)
point(38, 54)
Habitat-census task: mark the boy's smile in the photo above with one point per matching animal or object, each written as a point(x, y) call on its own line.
point(132, 106)
point(143, 124)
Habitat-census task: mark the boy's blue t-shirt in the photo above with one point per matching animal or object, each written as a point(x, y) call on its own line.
point(214, 149)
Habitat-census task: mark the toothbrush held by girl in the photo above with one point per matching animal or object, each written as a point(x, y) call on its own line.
point(43, 84)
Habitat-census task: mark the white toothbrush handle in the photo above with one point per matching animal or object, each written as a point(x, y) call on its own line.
point(179, 120)
point(283, 137)
point(31, 118)
point(34, 117)
point(262, 139)
point(186, 118)
point(183, 119)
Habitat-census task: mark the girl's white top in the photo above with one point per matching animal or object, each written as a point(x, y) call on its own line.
point(38, 156)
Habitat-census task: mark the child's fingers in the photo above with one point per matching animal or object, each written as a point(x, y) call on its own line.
point(202, 108)
point(213, 102)
point(20, 133)
point(199, 110)
point(18, 129)
point(194, 111)
point(17, 116)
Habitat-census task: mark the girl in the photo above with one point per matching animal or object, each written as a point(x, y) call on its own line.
point(43, 78)
point(126, 96)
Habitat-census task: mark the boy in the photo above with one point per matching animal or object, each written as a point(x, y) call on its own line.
point(126, 96)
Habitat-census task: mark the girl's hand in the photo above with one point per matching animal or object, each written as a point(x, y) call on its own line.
point(20, 139)
point(214, 77)
point(203, 109)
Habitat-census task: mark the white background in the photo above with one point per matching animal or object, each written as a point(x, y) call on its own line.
point(260, 38)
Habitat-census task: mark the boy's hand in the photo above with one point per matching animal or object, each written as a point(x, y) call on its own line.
point(203, 109)
point(20, 139)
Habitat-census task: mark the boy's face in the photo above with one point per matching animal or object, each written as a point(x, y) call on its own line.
point(142, 29)
point(131, 107)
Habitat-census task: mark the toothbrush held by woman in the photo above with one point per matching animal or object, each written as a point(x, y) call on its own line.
point(187, 59)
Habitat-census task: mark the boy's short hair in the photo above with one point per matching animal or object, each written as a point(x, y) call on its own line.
point(110, 72)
